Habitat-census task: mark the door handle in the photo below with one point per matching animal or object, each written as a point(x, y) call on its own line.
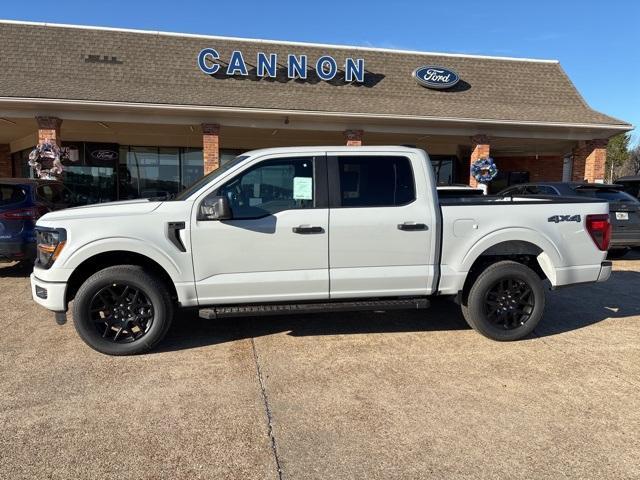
point(412, 226)
point(307, 229)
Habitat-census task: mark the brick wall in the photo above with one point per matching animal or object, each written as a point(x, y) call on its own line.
point(210, 146)
point(589, 160)
point(49, 129)
point(6, 168)
point(353, 137)
point(542, 169)
point(480, 148)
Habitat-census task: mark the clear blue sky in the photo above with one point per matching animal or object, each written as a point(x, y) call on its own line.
point(597, 42)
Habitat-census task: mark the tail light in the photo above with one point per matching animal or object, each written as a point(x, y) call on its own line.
point(30, 213)
point(599, 227)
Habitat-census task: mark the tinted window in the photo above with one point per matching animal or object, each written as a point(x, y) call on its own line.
point(375, 181)
point(55, 193)
point(539, 190)
point(270, 187)
point(611, 195)
point(10, 194)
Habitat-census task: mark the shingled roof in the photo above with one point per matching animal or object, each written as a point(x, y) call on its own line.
point(59, 62)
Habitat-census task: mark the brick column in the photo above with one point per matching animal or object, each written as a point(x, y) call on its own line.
point(353, 137)
point(49, 129)
point(589, 158)
point(6, 167)
point(210, 146)
point(480, 148)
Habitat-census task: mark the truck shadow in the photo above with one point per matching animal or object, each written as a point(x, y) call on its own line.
point(567, 310)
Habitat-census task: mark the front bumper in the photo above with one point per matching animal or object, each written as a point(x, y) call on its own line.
point(51, 295)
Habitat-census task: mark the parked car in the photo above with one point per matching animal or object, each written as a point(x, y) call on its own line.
point(631, 185)
point(624, 209)
point(313, 229)
point(22, 202)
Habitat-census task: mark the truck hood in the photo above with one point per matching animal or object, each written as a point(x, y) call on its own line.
point(109, 209)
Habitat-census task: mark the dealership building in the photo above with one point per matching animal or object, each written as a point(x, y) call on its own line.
point(142, 113)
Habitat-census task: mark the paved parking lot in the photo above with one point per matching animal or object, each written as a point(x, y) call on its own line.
point(397, 395)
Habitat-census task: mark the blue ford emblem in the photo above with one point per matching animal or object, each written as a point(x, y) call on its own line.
point(435, 77)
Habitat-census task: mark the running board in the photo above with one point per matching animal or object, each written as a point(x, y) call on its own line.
point(302, 308)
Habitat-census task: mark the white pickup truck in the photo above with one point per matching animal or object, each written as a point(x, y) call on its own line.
point(313, 229)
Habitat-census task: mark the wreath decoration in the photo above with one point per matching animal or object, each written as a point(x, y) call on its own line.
point(484, 170)
point(46, 159)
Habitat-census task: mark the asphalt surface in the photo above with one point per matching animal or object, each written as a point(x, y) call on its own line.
point(363, 395)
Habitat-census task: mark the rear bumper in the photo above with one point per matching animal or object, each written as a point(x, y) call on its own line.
point(50, 295)
point(12, 251)
point(625, 239)
point(605, 271)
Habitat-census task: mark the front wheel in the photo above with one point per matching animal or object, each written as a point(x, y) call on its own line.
point(505, 302)
point(122, 310)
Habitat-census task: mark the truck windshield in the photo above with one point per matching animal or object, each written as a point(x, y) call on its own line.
point(208, 177)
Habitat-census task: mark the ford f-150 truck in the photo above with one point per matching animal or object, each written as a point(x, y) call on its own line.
point(313, 229)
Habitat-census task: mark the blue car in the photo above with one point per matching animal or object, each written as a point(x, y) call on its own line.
point(22, 202)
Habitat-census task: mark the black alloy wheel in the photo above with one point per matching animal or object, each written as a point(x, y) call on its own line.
point(509, 303)
point(121, 312)
point(505, 302)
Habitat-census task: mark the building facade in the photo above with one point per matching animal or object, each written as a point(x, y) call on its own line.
point(146, 113)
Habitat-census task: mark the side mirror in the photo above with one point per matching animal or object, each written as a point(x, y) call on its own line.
point(215, 208)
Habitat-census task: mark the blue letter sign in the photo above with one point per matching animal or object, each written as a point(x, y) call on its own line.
point(205, 54)
point(326, 67)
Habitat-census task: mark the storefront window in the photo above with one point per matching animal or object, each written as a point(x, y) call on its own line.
point(443, 169)
point(21, 168)
point(161, 172)
point(192, 166)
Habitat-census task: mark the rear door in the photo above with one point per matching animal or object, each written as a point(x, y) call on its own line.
point(382, 225)
point(14, 212)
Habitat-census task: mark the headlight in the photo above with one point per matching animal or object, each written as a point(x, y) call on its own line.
point(49, 242)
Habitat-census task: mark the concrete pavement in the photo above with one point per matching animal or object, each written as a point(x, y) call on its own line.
point(362, 395)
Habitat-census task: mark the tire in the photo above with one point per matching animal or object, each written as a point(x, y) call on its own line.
point(486, 311)
point(134, 326)
point(617, 253)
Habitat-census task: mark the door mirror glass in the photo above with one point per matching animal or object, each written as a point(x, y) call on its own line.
point(215, 208)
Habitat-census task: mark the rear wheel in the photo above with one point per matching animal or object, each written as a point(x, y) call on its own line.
point(122, 310)
point(505, 302)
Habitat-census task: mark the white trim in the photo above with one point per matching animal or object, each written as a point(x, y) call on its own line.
point(382, 116)
point(277, 42)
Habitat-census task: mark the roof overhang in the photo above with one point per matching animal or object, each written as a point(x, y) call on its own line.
point(299, 119)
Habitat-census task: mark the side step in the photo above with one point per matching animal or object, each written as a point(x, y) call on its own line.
point(302, 308)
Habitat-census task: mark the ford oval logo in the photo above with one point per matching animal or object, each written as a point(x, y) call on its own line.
point(104, 154)
point(435, 77)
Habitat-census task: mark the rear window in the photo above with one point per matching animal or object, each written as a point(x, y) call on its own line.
point(10, 194)
point(610, 195)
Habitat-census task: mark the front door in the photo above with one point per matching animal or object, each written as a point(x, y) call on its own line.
point(382, 230)
point(275, 248)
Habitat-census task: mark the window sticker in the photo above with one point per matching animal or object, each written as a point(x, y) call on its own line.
point(302, 188)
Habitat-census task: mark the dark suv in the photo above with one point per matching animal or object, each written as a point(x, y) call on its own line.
point(22, 202)
point(624, 209)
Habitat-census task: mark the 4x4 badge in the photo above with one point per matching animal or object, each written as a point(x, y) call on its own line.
point(564, 218)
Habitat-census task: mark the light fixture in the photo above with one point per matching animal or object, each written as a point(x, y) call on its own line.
point(286, 120)
point(103, 125)
point(6, 120)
